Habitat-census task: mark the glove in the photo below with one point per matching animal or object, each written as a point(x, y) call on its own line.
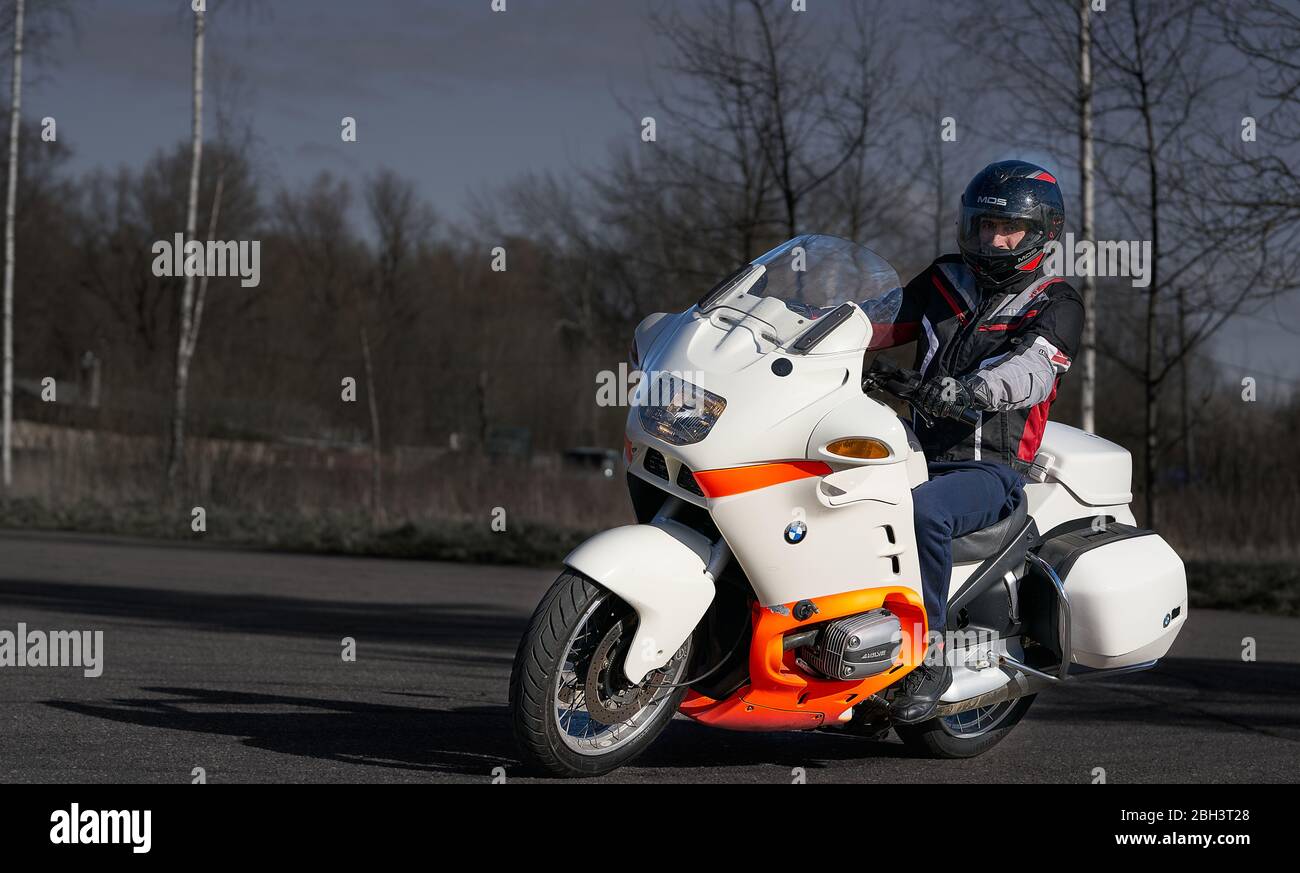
point(950, 398)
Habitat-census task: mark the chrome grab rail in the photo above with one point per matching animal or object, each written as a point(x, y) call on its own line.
point(1063, 620)
point(1030, 680)
point(1008, 661)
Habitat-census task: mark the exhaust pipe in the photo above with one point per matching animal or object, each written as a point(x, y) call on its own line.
point(1030, 681)
point(1021, 685)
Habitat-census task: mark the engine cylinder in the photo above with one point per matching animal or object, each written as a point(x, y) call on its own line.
point(856, 647)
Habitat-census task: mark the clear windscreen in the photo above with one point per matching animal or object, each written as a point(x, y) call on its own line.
point(810, 276)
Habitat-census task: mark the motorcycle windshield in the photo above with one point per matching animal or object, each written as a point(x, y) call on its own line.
point(809, 277)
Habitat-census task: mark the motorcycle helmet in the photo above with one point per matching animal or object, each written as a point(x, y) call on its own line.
point(1009, 191)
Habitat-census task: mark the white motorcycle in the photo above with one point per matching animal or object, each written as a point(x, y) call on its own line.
point(773, 583)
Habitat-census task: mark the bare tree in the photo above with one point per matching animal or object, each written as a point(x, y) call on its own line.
point(1256, 180)
point(233, 140)
point(1087, 224)
point(1054, 110)
point(707, 157)
point(809, 125)
point(1157, 60)
point(187, 335)
point(403, 224)
point(15, 116)
point(930, 101)
point(761, 125)
point(192, 299)
point(380, 292)
point(867, 198)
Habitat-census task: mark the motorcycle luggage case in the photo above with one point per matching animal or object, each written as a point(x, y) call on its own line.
point(1127, 590)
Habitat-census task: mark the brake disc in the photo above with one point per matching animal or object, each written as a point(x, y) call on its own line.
point(605, 704)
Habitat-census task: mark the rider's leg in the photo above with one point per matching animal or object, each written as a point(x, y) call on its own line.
point(961, 497)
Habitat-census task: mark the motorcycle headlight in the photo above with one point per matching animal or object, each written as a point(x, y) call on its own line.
point(675, 410)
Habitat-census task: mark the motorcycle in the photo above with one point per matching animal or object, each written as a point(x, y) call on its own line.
point(772, 580)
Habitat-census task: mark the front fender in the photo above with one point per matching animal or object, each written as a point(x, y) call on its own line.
point(659, 569)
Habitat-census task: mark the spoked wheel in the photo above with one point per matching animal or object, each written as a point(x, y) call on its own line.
point(573, 710)
point(965, 734)
point(976, 722)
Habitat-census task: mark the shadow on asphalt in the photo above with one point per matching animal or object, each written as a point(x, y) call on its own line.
point(466, 741)
point(472, 740)
point(480, 625)
point(1261, 696)
point(1195, 693)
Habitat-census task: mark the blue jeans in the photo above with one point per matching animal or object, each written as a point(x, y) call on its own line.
point(960, 498)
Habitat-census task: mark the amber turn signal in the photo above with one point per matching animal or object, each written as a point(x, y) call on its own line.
point(862, 448)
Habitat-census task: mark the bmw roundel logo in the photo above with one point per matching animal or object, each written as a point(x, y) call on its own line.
point(795, 531)
point(1168, 618)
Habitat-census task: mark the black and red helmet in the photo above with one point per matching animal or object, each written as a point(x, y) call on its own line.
point(1009, 190)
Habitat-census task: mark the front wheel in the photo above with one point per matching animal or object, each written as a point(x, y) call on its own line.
point(573, 711)
point(965, 734)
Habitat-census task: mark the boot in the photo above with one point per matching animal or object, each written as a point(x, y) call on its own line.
point(922, 688)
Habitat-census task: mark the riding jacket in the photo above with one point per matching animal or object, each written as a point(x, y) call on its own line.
point(1019, 341)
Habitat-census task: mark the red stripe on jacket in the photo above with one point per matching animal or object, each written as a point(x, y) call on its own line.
point(961, 316)
point(1035, 423)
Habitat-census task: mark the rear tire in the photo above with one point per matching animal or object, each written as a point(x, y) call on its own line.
point(946, 737)
point(549, 712)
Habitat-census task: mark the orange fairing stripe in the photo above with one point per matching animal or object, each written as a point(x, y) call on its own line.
point(736, 480)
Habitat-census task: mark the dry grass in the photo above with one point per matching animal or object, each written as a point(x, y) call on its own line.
point(61, 467)
point(1207, 524)
point(1240, 547)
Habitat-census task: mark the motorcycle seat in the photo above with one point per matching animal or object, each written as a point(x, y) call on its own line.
point(989, 541)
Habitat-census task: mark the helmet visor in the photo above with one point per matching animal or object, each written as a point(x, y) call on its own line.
point(983, 231)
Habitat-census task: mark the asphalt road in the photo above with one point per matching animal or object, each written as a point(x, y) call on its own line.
point(231, 661)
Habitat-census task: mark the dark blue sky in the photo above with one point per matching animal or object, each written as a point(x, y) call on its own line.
point(445, 92)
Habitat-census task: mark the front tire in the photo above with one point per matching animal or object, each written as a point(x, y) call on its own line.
point(573, 649)
point(966, 734)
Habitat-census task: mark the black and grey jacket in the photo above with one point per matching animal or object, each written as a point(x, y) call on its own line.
point(1019, 341)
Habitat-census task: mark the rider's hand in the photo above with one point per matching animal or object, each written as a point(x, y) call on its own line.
point(950, 398)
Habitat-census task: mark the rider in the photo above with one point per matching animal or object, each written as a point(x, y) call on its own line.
point(995, 335)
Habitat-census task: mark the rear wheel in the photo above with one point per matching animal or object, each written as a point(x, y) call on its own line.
point(965, 734)
point(573, 711)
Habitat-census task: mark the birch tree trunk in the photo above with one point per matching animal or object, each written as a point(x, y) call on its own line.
point(1151, 376)
point(15, 108)
point(1089, 399)
point(183, 341)
point(376, 447)
point(202, 294)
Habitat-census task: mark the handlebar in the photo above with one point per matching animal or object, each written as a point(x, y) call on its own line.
point(903, 384)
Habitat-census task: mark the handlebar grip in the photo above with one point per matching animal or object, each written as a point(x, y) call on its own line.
point(885, 365)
